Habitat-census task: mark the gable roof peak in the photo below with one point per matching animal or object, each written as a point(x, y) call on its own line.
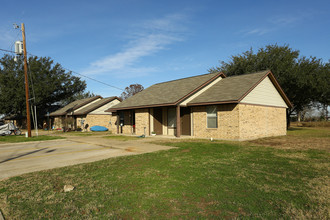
point(185, 78)
point(74, 105)
point(251, 73)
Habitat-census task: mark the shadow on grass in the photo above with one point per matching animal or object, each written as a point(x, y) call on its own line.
point(295, 129)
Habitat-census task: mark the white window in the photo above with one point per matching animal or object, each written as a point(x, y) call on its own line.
point(171, 117)
point(212, 119)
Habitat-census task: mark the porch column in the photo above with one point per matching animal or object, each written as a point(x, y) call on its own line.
point(178, 121)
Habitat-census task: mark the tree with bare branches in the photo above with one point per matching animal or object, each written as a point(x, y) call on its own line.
point(131, 90)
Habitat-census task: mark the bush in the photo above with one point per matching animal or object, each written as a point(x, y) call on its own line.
point(316, 124)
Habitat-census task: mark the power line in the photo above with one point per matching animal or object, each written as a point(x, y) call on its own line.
point(31, 79)
point(93, 79)
point(9, 51)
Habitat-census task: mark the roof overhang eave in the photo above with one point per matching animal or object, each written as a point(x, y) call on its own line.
point(214, 103)
point(57, 115)
point(139, 107)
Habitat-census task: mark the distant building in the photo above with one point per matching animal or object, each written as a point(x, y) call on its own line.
point(91, 111)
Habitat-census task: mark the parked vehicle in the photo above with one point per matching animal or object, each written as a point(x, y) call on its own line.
point(8, 129)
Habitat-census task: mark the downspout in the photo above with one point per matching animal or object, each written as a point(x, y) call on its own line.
point(117, 122)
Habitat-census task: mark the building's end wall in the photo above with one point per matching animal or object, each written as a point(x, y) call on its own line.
point(228, 122)
point(107, 121)
point(240, 122)
point(261, 121)
point(142, 122)
point(58, 122)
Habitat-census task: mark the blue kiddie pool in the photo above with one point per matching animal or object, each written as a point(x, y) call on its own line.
point(98, 128)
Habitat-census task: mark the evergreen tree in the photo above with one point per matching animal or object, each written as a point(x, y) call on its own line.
point(49, 85)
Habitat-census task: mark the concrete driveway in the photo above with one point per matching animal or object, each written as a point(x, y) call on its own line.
point(20, 158)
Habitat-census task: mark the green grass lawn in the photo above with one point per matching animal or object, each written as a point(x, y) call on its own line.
point(22, 138)
point(309, 132)
point(121, 137)
point(79, 133)
point(195, 180)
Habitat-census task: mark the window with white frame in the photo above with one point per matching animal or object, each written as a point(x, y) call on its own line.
point(171, 117)
point(212, 119)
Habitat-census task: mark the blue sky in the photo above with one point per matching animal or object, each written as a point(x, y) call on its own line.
point(151, 41)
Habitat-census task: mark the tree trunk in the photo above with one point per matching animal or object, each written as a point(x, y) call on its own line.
point(288, 118)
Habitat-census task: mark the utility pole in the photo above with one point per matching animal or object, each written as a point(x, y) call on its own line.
point(28, 120)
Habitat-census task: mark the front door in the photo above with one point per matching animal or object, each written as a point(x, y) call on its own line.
point(185, 121)
point(133, 120)
point(158, 121)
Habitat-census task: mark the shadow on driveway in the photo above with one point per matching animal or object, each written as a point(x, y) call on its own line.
point(22, 155)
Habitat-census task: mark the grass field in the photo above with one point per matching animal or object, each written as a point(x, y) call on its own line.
point(121, 137)
point(22, 138)
point(269, 178)
point(79, 133)
point(299, 139)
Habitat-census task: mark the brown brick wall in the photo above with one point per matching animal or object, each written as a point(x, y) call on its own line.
point(241, 122)
point(228, 124)
point(91, 120)
point(101, 120)
point(58, 122)
point(127, 127)
point(141, 121)
point(62, 121)
point(261, 121)
point(235, 122)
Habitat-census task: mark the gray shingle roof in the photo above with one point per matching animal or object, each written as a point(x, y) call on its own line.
point(94, 106)
point(165, 93)
point(73, 106)
point(230, 89)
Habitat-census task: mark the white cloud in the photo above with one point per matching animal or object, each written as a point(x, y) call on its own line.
point(152, 37)
point(292, 19)
point(276, 23)
point(259, 31)
point(285, 20)
point(170, 23)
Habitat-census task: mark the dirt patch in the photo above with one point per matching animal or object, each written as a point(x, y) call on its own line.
point(207, 208)
point(130, 149)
